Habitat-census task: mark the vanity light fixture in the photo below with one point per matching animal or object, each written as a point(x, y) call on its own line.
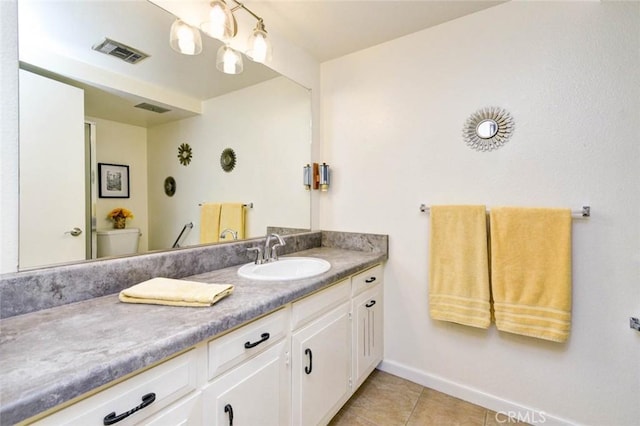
point(229, 61)
point(222, 25)
point(185, 39)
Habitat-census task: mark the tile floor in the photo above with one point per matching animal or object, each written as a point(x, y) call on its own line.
point(387, 400)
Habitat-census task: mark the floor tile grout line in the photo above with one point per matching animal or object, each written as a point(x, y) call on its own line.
point(415, 405)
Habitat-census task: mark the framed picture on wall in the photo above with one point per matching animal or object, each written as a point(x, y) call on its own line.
point(113, 180)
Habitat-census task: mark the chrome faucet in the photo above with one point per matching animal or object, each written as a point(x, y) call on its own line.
point(269, 253)
point(233, 233)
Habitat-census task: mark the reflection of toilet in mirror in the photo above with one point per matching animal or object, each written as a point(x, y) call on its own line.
point(117, 242)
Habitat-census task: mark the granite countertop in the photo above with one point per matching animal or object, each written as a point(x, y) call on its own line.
point(54, 355)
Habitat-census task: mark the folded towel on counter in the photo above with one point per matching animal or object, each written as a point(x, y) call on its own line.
point(232, 216)
point(459, 266)
point(531, 271)
point(167, 291)
point(209, 223)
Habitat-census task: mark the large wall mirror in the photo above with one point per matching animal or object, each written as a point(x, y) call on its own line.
point(77, 110)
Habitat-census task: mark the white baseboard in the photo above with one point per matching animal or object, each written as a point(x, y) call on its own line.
point(475, 396)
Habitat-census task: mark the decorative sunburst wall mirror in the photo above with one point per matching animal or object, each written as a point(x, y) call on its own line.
point(184, 154)
point(488, 128)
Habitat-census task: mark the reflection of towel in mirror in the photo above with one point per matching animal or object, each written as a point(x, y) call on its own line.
point(232, 216)
point(531, 271)
point(209, 223)
point(167, 291)
point(459, 266)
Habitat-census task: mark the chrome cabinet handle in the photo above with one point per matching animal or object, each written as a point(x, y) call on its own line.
point(74, 232)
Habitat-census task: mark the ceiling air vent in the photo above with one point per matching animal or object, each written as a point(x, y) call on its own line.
point(153, 108)
point(120, 51)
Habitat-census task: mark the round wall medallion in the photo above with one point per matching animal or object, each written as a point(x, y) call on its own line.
point(228, 160)
point(170, 186)
point(488, 128)
point(184, 154)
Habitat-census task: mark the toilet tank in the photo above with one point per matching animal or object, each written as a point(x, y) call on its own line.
point(118, 242)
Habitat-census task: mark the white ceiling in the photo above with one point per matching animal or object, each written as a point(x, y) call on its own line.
point(329, 29)
point(326, 29)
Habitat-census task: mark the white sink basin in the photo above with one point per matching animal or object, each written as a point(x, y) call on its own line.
point(285, 268)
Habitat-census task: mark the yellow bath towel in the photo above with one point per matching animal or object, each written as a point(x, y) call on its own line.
point(209, 223)
point(167, 291)
point(531, 271)
point(459, 265)
point(232, 216)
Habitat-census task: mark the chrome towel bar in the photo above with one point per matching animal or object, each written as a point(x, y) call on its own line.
point(585, 212)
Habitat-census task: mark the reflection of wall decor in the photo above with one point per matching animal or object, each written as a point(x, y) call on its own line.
point(228, 160)
point(488, 128)
point(113, 180)
point(184, 154)
point(170, 186)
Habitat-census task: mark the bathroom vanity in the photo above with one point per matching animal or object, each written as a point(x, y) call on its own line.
point(279, 352)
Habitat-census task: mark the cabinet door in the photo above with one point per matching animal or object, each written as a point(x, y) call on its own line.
point(367, 332)
point(254, 393)
point(321, 366)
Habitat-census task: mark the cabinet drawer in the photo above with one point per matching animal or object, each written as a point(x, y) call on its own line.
point(367, 279)
point(230, 349)
point(311, 307)
point(169, 381)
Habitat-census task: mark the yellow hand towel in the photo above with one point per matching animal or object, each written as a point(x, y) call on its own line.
point(459, 265)
point(232, 216)
point(167, 291)
point(209, 223)
point(531, 271)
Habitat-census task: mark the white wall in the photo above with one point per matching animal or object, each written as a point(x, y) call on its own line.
point(119, 143)
point(271, 140)
point(392, 119)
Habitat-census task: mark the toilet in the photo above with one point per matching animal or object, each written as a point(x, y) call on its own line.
point(117, 242)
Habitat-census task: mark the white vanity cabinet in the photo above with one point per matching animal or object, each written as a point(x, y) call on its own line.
point(321, 357)
point(254, 393)
point(368, 322)
point(295, 366)
point(249, 372)
point(147, 393)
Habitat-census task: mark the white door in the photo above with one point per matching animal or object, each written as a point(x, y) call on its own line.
point(52, 172)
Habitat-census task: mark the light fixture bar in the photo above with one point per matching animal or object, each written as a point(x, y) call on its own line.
point(242, 6)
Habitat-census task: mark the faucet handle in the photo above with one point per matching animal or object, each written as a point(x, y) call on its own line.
point(259, 260)
point(280, 243)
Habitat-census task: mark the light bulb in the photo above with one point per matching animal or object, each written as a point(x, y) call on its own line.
point(221, 24)
point(259, 46)
point(217, 18)
point(230, 60)
point(185, 39)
